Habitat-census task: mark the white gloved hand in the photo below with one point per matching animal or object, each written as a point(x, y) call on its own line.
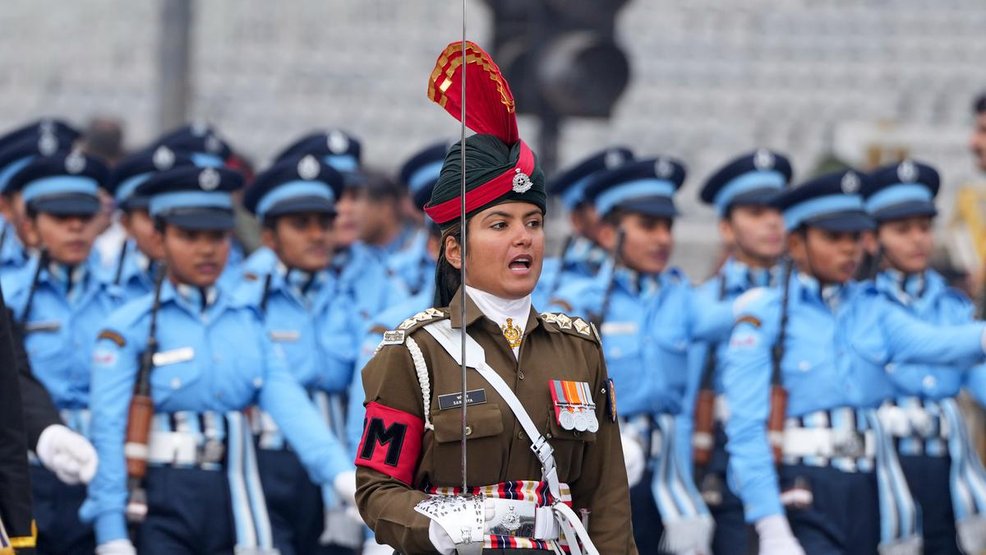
point(116, 547)
point(776, 537)
point(343, 527)
point(69, 455)
point(344, 486)
point(634, 458)
point(440, 539)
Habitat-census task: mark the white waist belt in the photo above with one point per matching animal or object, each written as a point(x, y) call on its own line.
point(186, 439)
point(828, 443)
point(904, 419)
point(174, 448)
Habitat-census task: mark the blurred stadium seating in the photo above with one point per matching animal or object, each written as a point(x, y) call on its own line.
point(710, 78)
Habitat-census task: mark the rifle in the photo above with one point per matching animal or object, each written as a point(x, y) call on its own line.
point(266, 293)
point(140, 414)
point(597, 319)
point(556, 282)
point(42, 262)
point(121, 259)
point(703, 440)
point(778, 395)
point(871, 266)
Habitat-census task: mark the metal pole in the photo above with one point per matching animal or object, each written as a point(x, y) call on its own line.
point(174, 63)
point(549, 134)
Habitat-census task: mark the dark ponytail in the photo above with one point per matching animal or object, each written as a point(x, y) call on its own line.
point(448, 279)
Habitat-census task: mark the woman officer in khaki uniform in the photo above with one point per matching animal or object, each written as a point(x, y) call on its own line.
point(544, 464)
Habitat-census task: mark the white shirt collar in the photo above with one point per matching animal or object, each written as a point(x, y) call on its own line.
point(499, 309)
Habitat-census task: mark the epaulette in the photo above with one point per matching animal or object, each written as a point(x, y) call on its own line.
point(760, 303)
point(676, 275)
point(869, 287)
point(958, 295)
point(572, 326)
point(113, 336)
point(562, 303)
point(131, 313)
point(397, 336)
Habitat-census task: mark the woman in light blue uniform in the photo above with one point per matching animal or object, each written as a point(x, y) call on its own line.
point(17, 149)
point(59, 298)
point(295, 203)
point(210, 359)
point(741, 191)
point(132, 273)
point(922, 416)
point(803, 376)
point(647, 319)
point(580, 256)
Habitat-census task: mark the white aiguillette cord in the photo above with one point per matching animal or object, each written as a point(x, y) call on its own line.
point(462, 249)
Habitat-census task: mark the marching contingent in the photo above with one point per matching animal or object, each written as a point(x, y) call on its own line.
point(186, 391)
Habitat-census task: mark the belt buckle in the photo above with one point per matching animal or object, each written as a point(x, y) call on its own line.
point(922, 422)
point(515, 519)
point(848, 443)
point(212, 451)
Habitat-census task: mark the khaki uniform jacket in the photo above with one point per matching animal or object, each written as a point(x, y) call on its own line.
point(498, 450)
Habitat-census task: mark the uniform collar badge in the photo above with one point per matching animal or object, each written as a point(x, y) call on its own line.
point(512, 333)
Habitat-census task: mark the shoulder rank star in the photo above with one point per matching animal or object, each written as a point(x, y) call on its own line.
point(512, 333)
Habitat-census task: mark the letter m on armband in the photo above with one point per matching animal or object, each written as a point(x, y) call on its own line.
point(391, 442)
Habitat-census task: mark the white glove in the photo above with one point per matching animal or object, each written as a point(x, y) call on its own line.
point(341, 528)
point(69, 455)
point(344, 485)
point(440, 539)
point(776, 537)
point(634, 458)
point(371, 547)
point(116, 547)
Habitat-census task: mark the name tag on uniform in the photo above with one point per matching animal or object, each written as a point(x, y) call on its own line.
point(619, 328)
point(454, 400)
point(285, 335)
point(173, 356)
point(47, 325)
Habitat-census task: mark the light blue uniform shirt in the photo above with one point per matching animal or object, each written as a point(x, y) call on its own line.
point(136, 273)
point(295, 305)
point(12, 253)
point(646, 332)
point(839, 343)
point(233, 271)
point(930, 299)
point(715, 296)
point(582, 259)
point(65, 315)
point(414, 266)
point(259, 263)
point(232, 366)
